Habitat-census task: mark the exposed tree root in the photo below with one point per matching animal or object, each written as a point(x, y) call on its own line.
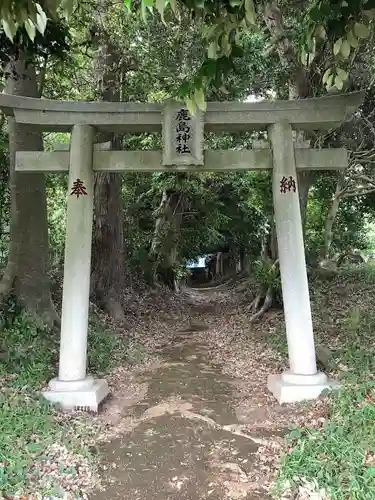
point(41, 310)
point(6, 283)
point(268, 300)
point(264, 300)
point(108, 302)
point(255, 304)
point(51, 318)
point(114, 309)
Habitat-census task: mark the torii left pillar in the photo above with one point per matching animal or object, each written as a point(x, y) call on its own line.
point(73, 388)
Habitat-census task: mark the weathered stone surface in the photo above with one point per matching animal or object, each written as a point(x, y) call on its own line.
point(288, 391)
point(73, 388)
point(151, 161)
point(72, 396)
point(296, 299)
point(305, 114)
point(182, 135)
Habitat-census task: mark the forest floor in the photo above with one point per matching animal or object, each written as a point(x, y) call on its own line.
point(188, 436)
point(190, 416)
point(200, 423)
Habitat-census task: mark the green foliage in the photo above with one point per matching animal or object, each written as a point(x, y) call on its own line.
point(28, 425)
point(220, 210)
point(27, 429)
point(339, 453)
point(56, 188)
point(220, 26)
point(225, 55)
point(54, 42)
point(336, 28)
point(29, 352)
point(358, 352)
point(266, 276)
point(30, 16)
point(108, 349)
point(350, 227)
point(341, 25)
point(223, 210)
point(344, 26)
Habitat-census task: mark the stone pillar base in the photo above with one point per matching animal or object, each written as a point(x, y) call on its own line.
point(290, 388)
point(83, 395)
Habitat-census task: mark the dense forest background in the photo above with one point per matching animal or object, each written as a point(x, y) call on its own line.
point(148, 226)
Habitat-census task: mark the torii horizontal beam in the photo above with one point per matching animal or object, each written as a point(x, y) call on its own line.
point(60, 116)
point(151, 161)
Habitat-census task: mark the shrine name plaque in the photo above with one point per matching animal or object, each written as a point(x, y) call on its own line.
point(182, 135)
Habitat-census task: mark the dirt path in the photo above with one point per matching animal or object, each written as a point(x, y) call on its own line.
point(199, 423)
point(186, 441)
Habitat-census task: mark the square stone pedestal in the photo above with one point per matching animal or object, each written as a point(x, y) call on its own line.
point(290, 388)
point(83, 395)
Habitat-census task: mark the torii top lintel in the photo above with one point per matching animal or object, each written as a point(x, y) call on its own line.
point(59, 116)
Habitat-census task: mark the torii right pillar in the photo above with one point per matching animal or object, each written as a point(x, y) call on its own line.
point(302, 381)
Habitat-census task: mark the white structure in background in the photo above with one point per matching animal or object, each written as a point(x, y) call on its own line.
point(183, 151)
point(200, 263)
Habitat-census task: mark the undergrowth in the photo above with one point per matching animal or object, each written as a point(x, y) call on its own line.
point(338, 458)
point(28, 425)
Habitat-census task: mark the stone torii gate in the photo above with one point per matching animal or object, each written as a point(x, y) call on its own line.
point(183, 151)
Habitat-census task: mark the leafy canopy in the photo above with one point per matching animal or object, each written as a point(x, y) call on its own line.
point(336, 26)
point(31, 15)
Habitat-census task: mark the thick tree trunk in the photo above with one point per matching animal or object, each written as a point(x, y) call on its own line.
point(299, 84)
point(28, 261)
point(164, 245)
point(161, 218)
point(331, 217)
point(108, 244)
point(269, 251)
point(108, 274)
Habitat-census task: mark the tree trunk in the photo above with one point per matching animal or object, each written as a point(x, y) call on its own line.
point(108, 269)
point(305, 180)
point(269, 253)
point(331, 217)
point(299, 83)
point(28, 260)
point(299, 86)
point(164, 245)
point(219, 264)
point(161, 216)
point(108, 244)
point(264, 299)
